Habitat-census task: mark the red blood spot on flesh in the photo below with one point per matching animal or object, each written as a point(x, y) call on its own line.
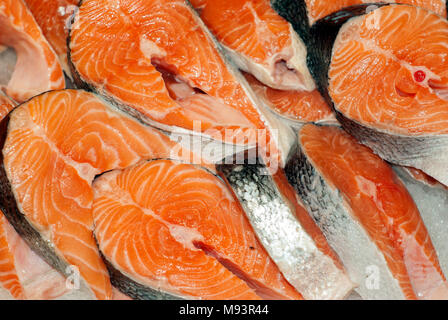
point(419, 76)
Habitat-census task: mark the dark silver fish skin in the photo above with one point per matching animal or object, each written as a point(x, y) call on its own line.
point(360, 256)
point(311, 272)
point(132, 288)
point(17, 219)
point(427, 153)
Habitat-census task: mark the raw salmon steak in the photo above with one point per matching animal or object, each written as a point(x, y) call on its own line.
point(389, 89)
point(56, 144)
point(169, 229)
point(23, 274)
point(267, 49)
point(259, 41)
point(156, 60)
point(367, 215)
point(287, 231)
point(37, 69)
point(53, 17)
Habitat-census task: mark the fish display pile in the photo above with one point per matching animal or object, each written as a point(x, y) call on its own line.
point(223, 149)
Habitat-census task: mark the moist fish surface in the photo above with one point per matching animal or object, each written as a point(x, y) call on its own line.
point(37, 68)
point(259, 41)
point(303, 13)
point(389, 89)
point(432, 202)
point(287, 231)
point(367, 215)
point(272, 55)
point(23, 274)
point(54, 146)
point(53, 17)
point(294, 107)
point(156, 60)
point(168, 227)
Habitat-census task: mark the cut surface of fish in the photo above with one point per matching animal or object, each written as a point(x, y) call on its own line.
point(56, 144)
point(37, 68)
point(318, 9)
point(432, 203)
point(175, 228)
point(288, 232)
point(389, 89)
point(296, 107)
point(53, 17)
point(23, 273)
point(367, 215)
point(156, 60)
point(259, 41)
point(272, 55)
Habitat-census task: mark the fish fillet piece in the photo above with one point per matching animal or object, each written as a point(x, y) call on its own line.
point(259, 41)
point(176, 228)
point(288, 232)
point(56, 144)
point(367, 215)
point(297, 107)
point(390, 88)
point(8, 274)
point(317, 9)
point(53, 17)
point(22, 272)
point(37, 69)
point(432, 202)
point(124, 50)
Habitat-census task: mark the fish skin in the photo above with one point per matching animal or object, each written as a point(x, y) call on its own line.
point(332, 212)
point(313, 273)
point(425, 152)
point(277, 145)
point(18, 24)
